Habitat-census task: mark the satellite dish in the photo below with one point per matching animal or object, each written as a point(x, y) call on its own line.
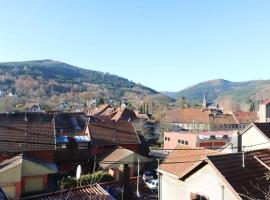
point(78, 172)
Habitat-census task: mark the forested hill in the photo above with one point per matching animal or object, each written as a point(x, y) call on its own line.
point(57, 82)
point(239, 94)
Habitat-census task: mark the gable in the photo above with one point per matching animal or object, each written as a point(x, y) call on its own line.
point(32, 169)
point(254, 139)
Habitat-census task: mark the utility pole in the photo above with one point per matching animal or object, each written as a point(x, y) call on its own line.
point(138, 178)
point(158, 182)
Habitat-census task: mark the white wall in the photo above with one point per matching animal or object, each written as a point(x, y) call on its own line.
point(254, 137)
point(204, 182)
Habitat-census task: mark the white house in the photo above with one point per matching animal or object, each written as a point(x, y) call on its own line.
point(190, 174)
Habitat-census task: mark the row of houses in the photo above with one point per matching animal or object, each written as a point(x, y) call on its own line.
point(35, 148)
point(238, 170)
point(199, 120)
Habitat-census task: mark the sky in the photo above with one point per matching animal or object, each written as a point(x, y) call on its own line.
point(166, 45)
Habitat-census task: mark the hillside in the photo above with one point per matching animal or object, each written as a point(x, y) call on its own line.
point(226, 92)
point(56, 82)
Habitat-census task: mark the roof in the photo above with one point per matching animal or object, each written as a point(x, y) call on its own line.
point(94, 192)
point(27, 136)
point(264, 128)
point(10, 163)
point(223, 119)
point(112, 133)
point(243, 179)
point(64, 122)
point(182, 160)
point(119, 154)
point(245, 117)
point(265, 102)
point(123, 114)
point(41, 165)
point(100, 109)
point(187, 115)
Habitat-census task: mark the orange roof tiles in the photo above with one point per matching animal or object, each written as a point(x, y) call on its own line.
point(187, 115)
point(223, 119)
point(245, 117)
point(183, 159)
point(94, 192)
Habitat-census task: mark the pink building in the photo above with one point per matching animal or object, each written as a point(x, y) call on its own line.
point(209, 140)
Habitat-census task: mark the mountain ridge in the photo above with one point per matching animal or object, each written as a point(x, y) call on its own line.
point(58, 82)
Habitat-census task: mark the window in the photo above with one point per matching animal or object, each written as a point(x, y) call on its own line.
point(182, 141)
point(166, 138)
point(179, 141)
point(186, 142)
point(197, 197)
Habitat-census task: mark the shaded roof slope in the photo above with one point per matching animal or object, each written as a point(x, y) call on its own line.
point(27, 136)
point(244, 180)
point(112, 133)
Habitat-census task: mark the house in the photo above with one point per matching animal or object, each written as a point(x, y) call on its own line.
point(209, 140)
point(225, 122)
point(106, 112)
point(106, 135)
point(244, 118)
point(189, 119)
point(119, 155)
point(98, 110)
point(199, 120)
point(177, 180)
point(19, 137)
point(255, 136)
point(23, 174)
point(57, 137)
point(94, 192)
point(199, 174)
point(264, 111)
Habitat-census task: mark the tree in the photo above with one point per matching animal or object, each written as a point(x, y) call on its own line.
point(182, 102)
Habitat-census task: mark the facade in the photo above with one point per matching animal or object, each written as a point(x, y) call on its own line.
point(264, 111)
point(200, 120)
point(209, 140)
point(118, 156)
point(191, 174)
point(22, 174)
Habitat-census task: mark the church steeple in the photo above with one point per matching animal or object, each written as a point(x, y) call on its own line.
point(204, 101)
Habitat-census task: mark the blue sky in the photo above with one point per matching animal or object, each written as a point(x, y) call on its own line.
point(166, 45)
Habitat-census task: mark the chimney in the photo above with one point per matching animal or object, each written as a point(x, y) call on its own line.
point(124, 179)
point(243, 159)
point(239, 142)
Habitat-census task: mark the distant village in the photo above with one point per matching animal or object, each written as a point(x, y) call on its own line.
point(103, 151)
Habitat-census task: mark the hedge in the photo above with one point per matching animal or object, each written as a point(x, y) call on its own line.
point(71, 182)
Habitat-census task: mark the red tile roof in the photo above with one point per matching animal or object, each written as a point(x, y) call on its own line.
point(123, 114)
point(188, 116)
point(112, 133)
point(27, 136)
point(267, 101)
point(100, 109)
point(244, 180)
point(245, 117)
point(223, 119)
point(183, 159)
point(94, 192)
